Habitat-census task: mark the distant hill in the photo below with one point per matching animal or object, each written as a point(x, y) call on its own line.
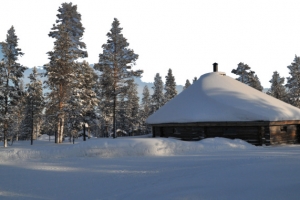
point(138, 81)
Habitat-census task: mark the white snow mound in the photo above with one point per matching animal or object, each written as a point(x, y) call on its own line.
point(218, 98)
point(120, 147)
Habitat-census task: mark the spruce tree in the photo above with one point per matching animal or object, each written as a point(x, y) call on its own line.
point(293, 82)
point(195, 79)
point(10, 73)
point(158, 94)
point(34, 104)
point(132, 108)
point(116, 59)
point(187, 84)
point(68, 47)
point(277, 89)
point(145, 107)
point(170, 87)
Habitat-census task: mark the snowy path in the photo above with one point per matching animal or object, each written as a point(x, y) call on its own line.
point(223, 173)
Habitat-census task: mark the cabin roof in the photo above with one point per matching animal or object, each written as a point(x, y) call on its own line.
point(215, 97)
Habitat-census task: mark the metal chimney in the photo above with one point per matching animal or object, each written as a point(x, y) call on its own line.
point(215, 67)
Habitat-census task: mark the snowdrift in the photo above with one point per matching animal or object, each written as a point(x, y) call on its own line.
point(120, 147)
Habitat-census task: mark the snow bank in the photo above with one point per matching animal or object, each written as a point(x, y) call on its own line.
point(120, 147)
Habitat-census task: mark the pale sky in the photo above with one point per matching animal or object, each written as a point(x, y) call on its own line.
point(187, 36)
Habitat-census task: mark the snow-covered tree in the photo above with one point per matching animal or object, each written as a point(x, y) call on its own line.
point(187, 84)
point(34, 104)
point(117, 59)
point(104, 88)
point(133, 106)
point(145, 107)
point(69, 20)
point(247, 76)
point(277, 89)
point(157, 97)
point(129, 109)
point(293, 82)
point(254, 82)
point(244, 73)
point(10, 73)
point(195, 79)
point(19, 111)
point(83, 99)
point(170, 86)
point(68, 47)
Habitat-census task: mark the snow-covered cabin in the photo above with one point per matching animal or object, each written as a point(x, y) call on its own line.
point(217, 105)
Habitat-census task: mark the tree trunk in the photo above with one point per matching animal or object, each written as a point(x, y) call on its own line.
point(84, 139)
point(5, 142)
point(61, 130)
point(5, 134)
point(114, 116)
point(56, 134)
point(32, 126)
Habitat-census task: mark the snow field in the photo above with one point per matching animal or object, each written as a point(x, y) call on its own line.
point(132, 168)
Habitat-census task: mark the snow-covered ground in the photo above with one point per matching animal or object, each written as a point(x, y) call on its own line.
point(149, 168)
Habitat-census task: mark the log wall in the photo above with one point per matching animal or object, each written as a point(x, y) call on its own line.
point(256, 135)
point(286, 134)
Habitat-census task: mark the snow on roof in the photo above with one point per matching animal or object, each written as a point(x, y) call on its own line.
point(216, 97)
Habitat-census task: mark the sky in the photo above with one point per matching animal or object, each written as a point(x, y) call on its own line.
point(187, 36)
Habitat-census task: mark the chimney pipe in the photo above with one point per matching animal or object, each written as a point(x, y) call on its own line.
point(215, 67)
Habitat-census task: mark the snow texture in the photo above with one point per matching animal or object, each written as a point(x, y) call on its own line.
point(216, 97)
point(122, 147)
point(148, 168)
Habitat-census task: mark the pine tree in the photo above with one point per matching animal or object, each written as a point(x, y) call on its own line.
point(247, 76)
point(68, 47)
point(187, 84)
point(158, 95)
point(105, 95)
point(34, 104)
point(80, 107)
point(244, 73)
point(128, 109)
point(19, 110)
point(277, 89)
point(116, 59)
point(10, 73)
point(145, 107)
point(132, 107)
point(69, 20)
point(254, 82)
point(170, 86)
point(293, 82)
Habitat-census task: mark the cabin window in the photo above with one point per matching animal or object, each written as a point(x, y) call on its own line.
point(283, 128)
